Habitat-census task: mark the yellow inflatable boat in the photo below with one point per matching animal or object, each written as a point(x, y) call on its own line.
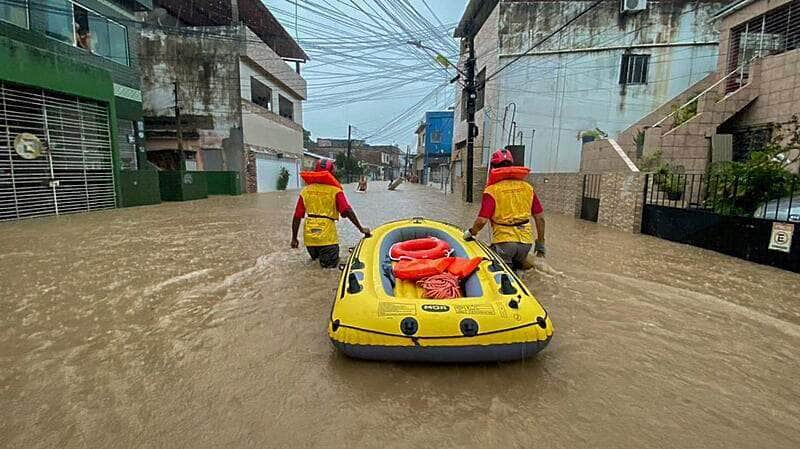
point(376, 316)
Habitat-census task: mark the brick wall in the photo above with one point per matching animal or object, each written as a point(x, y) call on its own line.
point(559, 192)
point(621, 197)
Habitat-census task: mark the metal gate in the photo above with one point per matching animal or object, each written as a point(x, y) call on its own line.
point(590, 198)
point(74, 172)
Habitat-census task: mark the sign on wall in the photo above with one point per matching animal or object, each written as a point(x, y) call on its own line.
point(781, 238)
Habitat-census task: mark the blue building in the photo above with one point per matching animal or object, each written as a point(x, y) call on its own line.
point(434, 145)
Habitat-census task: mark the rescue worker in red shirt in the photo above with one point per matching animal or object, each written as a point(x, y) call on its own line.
point(508, 204)
point(321, 202)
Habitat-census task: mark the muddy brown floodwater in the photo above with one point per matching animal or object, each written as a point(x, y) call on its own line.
point(193, 325)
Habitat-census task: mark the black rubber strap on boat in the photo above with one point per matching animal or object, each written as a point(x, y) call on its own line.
point(497, 331)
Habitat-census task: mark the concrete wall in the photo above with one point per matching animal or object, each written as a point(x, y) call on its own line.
point(572, 83)
point(558, 192)
point(601, 157)
point(268, 131)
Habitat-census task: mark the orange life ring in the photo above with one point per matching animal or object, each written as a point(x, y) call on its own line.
point(320, 177)
point(501, 174)
point(425, 248)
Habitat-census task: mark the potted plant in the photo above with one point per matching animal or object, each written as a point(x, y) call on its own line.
point(590, 135)
point(673, 186)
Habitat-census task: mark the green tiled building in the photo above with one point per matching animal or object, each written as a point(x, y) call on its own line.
point(71, 136)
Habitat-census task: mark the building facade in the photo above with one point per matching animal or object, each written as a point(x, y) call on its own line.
point(70, 120)
point(240, 103)
point(603, 71)
point(436, 136)
point(378, 162)
point(751, 98)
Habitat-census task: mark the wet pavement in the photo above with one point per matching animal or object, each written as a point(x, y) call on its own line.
point(192, 325)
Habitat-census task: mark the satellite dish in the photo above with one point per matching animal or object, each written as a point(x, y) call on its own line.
point(28, 146)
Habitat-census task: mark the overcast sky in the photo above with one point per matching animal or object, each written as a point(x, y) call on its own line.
point(361, 71)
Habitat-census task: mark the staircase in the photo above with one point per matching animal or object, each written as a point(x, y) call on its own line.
point(683, 136)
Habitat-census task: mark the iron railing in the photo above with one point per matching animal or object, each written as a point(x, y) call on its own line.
point(776, 199)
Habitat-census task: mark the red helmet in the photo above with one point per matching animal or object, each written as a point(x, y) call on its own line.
point(325, 164)
point(500, 156)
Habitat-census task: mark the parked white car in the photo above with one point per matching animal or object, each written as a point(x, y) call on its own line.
point(779, 209)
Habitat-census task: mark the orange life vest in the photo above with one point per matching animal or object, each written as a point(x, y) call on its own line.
point(462, 268)
point(501, 174)
point(416, 269)
point(320, 177)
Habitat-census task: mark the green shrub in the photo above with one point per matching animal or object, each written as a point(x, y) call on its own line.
point(283, 179)
point(739, 187)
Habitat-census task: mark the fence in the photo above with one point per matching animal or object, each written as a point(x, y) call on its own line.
point(756, 197)
point(732, 215)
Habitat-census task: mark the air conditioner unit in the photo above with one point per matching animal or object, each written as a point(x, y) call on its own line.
point(632, 5)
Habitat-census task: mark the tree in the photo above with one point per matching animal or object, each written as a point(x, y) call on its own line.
point(345, 166)
point(307, 142)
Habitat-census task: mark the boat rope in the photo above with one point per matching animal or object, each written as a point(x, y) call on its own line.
point(440, 286)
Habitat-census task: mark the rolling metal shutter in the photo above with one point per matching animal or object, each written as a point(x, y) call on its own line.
point(73, 174)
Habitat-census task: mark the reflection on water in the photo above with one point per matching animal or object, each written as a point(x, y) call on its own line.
point(193, 325)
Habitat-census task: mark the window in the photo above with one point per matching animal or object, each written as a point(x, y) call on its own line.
point(436, 137)
point(15, 12)
point(285, 107)
point(73, 24)
point(260, 94)
point(633, 69)
point(59, 20)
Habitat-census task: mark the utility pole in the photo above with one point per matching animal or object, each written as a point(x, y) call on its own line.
point(179, 130)
point(408, 154)
point(348, 163)
point(235, 12)
point(471, 92)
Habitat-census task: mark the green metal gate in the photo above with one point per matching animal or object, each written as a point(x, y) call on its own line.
point(74, 172)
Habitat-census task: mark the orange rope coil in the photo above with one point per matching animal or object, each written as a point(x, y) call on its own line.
point(440, 286)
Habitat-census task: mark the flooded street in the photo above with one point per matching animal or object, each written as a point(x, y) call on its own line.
point(193, 325)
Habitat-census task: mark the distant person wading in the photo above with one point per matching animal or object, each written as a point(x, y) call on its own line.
point(320, 203)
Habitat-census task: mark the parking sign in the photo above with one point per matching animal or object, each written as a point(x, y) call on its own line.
point(781, 238)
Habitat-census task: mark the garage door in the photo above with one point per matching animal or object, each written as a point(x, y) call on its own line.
point(72, 173)
point(268, 168)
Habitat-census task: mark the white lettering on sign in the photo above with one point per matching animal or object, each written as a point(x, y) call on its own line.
point(781, 238)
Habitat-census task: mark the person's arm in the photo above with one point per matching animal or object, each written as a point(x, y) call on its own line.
point(344, 208)
point(299, 213)
point(351, 215)
point(484, 215)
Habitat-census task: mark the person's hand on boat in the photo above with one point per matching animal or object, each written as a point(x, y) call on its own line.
point(295, 243)
point(539, 249)
point(366, 232)
point(468, 235)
